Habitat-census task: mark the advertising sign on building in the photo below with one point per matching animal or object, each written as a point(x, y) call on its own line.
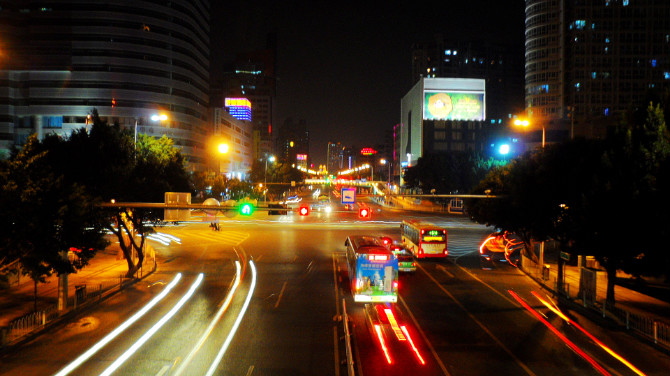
point(239, 108)
point(445, 105)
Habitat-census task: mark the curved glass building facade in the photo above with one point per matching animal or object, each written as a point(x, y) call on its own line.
point(129, 60)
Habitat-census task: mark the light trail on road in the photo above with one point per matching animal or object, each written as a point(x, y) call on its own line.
point(222, 351)
point(108, 338)
point(213, 323)
point(594, 339)
point(120, 360)
point(574, 347)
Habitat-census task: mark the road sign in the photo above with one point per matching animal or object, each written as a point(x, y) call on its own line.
point(565, 256)
point(348, 195)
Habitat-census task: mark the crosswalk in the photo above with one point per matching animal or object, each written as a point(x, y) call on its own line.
point(208, 236)
point(462, 242)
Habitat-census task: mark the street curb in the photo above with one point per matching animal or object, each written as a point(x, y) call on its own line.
point(70, 314)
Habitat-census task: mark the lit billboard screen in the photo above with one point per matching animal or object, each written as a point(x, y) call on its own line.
point(239, 108)
point(445, 105)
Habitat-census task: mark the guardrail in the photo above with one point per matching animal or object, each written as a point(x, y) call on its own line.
point(647, 327)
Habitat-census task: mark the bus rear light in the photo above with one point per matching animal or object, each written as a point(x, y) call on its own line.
point(421, 251)
point(359, 283)
point(446, 252)
point(395, 285)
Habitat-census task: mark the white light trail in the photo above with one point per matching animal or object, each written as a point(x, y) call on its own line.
point(212, 324)
point(85, 356)
point(219, 356)
point(120, 360)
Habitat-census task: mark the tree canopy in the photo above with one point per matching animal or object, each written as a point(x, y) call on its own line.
point(595, 197)
point(51, 188)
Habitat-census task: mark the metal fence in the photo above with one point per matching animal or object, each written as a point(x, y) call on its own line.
point(648, 327)
point(84, 295)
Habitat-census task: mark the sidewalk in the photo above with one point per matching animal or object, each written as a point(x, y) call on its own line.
point(633, 310)
point(104, 274)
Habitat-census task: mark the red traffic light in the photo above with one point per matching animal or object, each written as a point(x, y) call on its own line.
point(304, 210)
point(364, 213)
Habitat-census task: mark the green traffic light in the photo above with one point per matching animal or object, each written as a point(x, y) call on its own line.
point(246, 209)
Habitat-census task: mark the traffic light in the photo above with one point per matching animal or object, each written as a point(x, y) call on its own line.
point(303, 210)
point(246, 209)
point(364, 213)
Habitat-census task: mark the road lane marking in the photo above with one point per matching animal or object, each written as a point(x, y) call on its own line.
point(163, 371)
point(250, 371)
point(423, 335)
point(443, 269)
point(481, 325)
point(337, 294)
point(280, 294)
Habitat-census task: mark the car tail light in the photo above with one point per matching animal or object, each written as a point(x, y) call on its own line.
point(395, 285)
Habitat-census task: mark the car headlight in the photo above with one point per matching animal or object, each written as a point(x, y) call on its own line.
point(328, 209)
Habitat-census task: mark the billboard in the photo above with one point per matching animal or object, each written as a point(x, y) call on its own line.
point(448, 105)
point(239, 108)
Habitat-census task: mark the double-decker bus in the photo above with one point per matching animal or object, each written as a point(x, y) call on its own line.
point(373, 270)
point(424, 239)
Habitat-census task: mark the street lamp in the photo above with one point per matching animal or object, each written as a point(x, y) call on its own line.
point(525, 123)
point(154, 117)
point(223, 149)
point(265, 176)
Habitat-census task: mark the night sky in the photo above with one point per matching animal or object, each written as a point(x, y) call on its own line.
point(344, 68)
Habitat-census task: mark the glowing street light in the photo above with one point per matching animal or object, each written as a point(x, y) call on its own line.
point(525, 123)
point(265, 175)
point(223, 148)
point(154, 117)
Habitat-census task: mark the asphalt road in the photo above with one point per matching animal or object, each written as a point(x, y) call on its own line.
point(284, 314)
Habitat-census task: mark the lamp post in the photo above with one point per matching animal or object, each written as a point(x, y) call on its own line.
point(382, 162)
point(154, 117)
point(265, 176)
point(525, 123)
point(223, 149)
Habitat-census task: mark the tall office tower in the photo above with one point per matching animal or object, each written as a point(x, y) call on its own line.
point(252, 75)
point(292, 142)
point(61, 59)
point(587, 62)
point(334, 157)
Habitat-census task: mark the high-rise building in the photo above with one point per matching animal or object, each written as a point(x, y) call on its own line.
point(334, 157)
point(293, 140)
point(237, 137)
point(589, 61)
point(129, 60)
point(252, 75)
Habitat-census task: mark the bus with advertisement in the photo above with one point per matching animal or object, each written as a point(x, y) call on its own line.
point(372, 268)
point(424, 239)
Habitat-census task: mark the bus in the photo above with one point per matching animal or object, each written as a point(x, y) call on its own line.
point(424, 239)
point(372, 268)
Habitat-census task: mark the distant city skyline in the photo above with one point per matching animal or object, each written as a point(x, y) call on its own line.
point(345, 69)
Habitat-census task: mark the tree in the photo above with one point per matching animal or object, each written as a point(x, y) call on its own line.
point(583, 193)
point(45, 215)
point(107, 162)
